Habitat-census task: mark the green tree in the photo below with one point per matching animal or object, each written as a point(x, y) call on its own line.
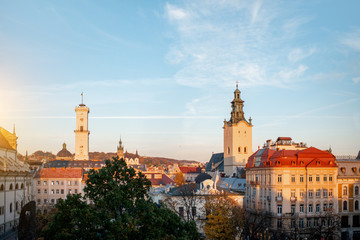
point(116, 206)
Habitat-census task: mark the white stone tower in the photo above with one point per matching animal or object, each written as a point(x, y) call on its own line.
point(237, 136)
point(81, 132)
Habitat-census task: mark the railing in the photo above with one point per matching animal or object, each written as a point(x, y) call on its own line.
point(254, 182)
point(279, 198)
point(268, 198)
point(293, 199)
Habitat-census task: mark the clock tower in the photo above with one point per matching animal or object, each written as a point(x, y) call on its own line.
point(81, 132)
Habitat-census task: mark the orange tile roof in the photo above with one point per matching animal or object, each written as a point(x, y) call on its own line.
point(310, 157)
point(59, 173)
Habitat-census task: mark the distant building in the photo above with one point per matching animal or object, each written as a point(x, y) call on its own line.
point(296, 188)
point(284, 143)
point(81, 132)
point(349, 197)
point(64, 154)
point(53, 184)
point(15, 182)
point(216, 163)
point(190, 173)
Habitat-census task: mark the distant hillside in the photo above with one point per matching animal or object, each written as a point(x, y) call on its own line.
point(100, 156)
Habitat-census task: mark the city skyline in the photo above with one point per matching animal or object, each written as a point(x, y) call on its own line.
point(161, 75)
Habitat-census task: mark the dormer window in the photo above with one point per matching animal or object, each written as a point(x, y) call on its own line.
point(293, 163)
point(343, 170)
point(353, 169)
point(301, 162)
point(318, 162)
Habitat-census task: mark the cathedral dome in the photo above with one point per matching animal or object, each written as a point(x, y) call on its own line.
point(64, 153)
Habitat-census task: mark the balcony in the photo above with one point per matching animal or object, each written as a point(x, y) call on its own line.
point(293, 199)
point(279, 198)
point(268, 198)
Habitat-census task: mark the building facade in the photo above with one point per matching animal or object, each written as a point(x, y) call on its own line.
point(295, 189)
point(55, 183)
point(349, 197)
point(237, 136)
point(15, 182)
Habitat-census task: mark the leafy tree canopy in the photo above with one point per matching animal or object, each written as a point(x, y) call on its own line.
point(116, 205)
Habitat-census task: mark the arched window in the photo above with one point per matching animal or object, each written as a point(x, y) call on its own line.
point(345, 190)
point(244, 149)
point(17, 206)
point(356, 190)
point(17, 186)
point(10, 207)
point(345, 207)
point(22, 186)
point(2, 187)
point(228, 150)
point(11, 187)
point(239, 149)
point(356, 205)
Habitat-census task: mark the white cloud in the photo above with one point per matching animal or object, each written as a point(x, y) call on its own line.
point(352, 39)
point(298, 54)
point(356, 80)
point(175, 13)
point(229, 41)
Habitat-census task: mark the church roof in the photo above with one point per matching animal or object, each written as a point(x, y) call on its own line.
point(64, 152)
point(216, 161)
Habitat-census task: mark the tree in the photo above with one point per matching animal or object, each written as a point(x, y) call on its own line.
point(179, 179)
point(225, 220)
point(116, 205)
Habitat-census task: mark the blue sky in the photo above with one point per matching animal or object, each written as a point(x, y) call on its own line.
point(162, 74)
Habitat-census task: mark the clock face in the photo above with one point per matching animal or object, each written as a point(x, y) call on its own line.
point(81, 119)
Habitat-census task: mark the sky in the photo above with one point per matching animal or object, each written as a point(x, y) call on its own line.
point(161, 74)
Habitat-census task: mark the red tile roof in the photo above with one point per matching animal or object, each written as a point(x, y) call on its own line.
point(59, 173)
point(164, 180)
point(310, 157)
point(190, 169)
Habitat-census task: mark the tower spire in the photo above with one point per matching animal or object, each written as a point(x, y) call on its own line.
point(14, 129)
point(82, 98)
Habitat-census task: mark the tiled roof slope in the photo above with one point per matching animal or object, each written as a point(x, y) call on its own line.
point(310, 157)
point(190, 169)
point(59, 173)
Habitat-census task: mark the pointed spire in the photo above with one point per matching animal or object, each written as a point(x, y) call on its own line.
point(64, 146)
point(26, 156)
point(14, 129)
point(137, 154)
point(237, 84)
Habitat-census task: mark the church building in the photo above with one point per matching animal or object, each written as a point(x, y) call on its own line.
point(237, 140)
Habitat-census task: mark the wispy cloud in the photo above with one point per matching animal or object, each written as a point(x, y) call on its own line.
point(242, 46)
point(352, 39)
point(298, 54)
point(117, 117)
point(356, 80)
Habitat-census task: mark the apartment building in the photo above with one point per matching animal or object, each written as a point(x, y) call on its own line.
point(295, 186)
point(55, 183)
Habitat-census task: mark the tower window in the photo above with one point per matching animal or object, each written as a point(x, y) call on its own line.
point(244, 149)
point(239, 149)
point(81, 128)
point(228, 150)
